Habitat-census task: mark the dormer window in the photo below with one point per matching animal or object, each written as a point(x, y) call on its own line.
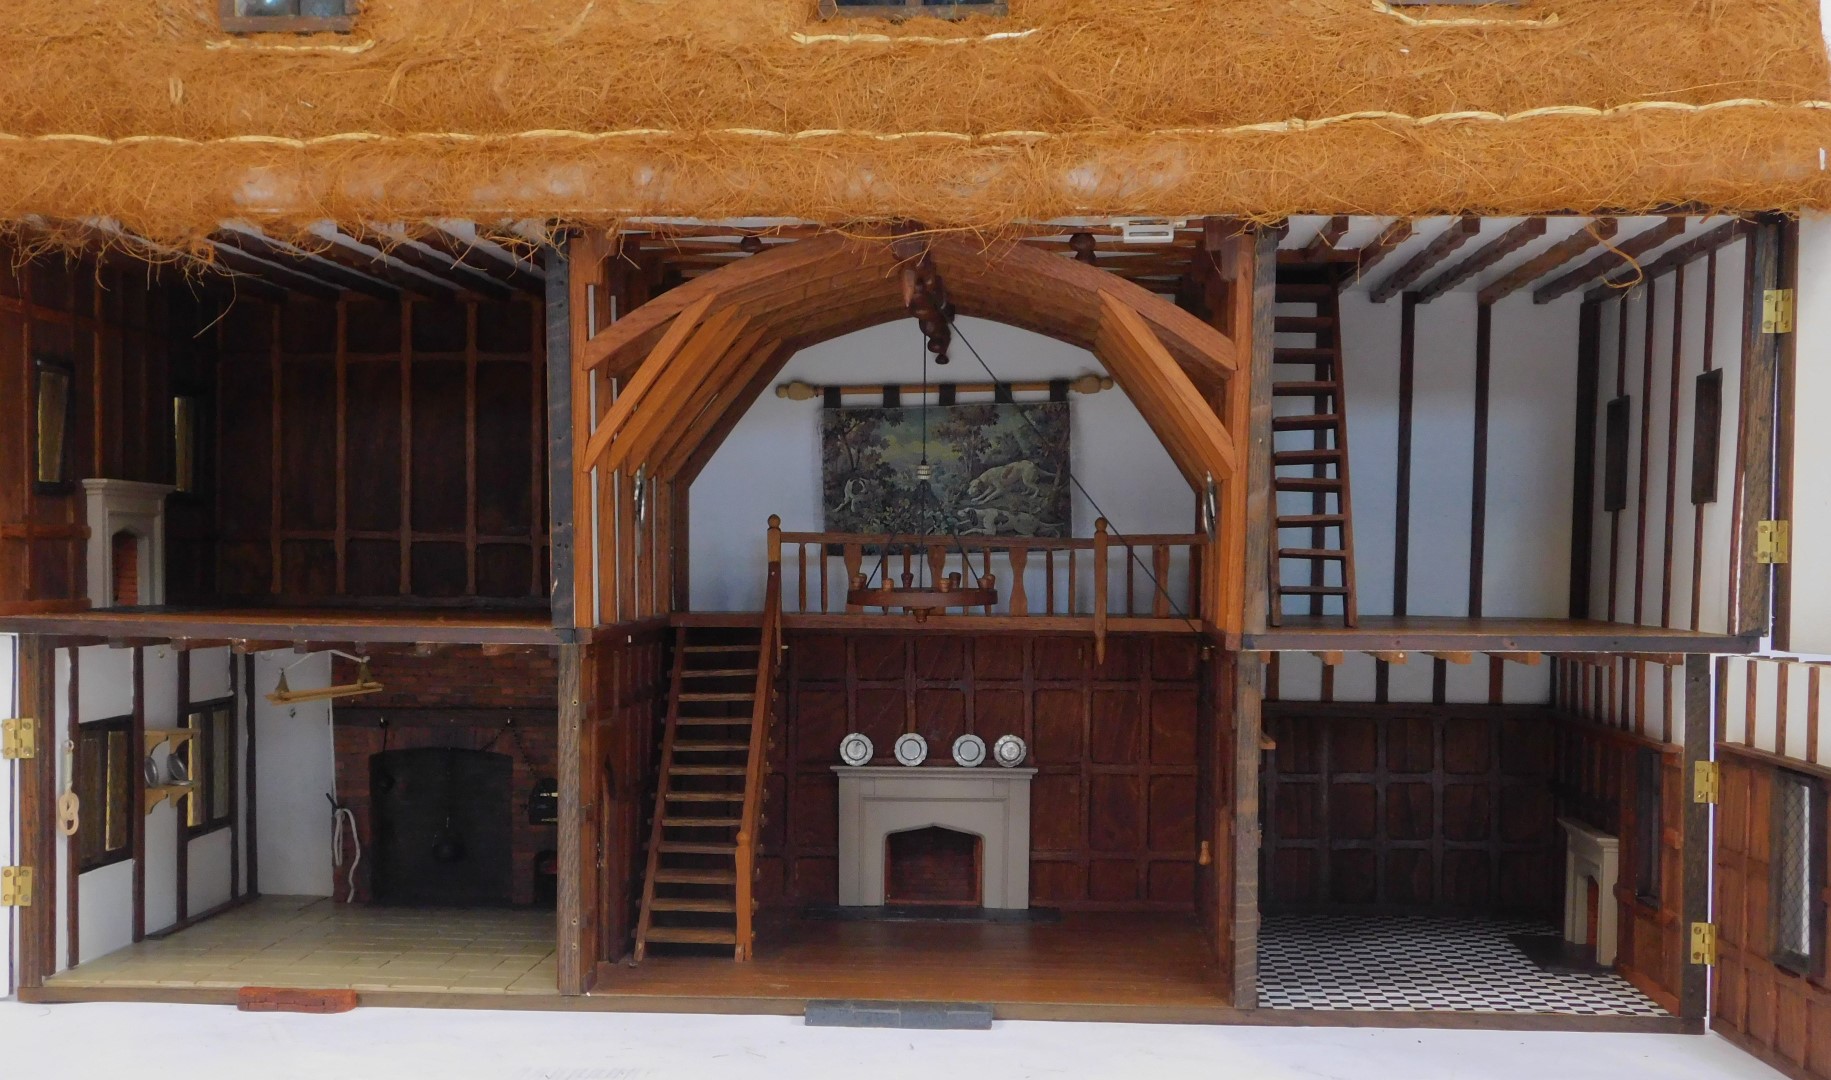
point(909, 9)
point(288, 16)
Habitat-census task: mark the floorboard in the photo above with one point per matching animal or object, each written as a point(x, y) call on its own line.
point(1423, 632)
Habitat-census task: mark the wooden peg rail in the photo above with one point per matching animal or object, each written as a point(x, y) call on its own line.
point(804, 391)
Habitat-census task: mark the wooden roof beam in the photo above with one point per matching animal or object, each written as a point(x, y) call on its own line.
point(1183, 404)
point(325, 271)
point(1374, 251)
point(645, 378)
point(1418, 265)
point(1596, 232)
point(1696, 247)
point(475, 255)
point(400, 249)
point(1487, 255)
point(727, 395)
point(345, 250)
point(693, 366)
point(272, 280)
point(1607, 262)
point(1323, 244)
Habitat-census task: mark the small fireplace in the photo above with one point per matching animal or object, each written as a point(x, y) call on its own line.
point(1592, 864)
point(442, 827)
point(933, 865)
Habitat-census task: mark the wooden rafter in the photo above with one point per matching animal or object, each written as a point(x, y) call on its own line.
point(1484, 257)
point(1138, 360)
point(1596, 232)
point(697, 363)
point(397, 248)
point(645, 378)
point(1374, 252)
point(346, 251)
point(472, 255)
point(331, 273)
point(1632, 248)
point(1696, 247)
point(702, 409)
point(1439, 249)
point(1323, 244)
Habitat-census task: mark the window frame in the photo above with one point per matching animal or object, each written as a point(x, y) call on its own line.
point(45, 366)
point(92, 815)
point(1810, 964)
point(909, 9)
point(232, 21)
point(200, 751)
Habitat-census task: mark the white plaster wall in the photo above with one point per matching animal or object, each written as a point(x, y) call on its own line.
point(771, 462)
point(104, 912)
point(207, 877)
point(295, 766)
point(1811, 511)
point(162, 825)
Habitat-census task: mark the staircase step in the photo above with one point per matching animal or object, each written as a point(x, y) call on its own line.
point(1324, 456)
point(707, 770)
point(706, 796)
point(709, 747)
point(691, 935)
point(1305, 422)
point(1309, 521)
point(712, 721)
point(1302, 324)
point(693, 903)
point(1305, 388)
point(700, 822)
point(673, 876)
point(720, 648)
point(1313, 590)
point(1303, 292)
point(1311, 553)
point(1306, 483)
point(674, 847)
point(737, 696)
point(717, 673)
point(1302, 354)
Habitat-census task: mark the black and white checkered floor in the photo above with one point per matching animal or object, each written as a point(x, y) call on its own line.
point(1418, 963)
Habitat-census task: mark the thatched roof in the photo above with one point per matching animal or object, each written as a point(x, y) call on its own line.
point(593, 110)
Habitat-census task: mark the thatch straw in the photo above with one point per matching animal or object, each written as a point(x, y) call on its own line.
point(594, 110)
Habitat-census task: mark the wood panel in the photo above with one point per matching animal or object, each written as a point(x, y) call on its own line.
point(376, 449)
point(627, 706)
point(1409, 807)
point(1114, 801)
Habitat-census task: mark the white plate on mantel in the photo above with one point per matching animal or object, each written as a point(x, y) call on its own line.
point(911, 749)
point(1009, 751)
point(856, 749)
point(969, 751)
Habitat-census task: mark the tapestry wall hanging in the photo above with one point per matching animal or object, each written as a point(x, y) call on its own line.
point(999, 470)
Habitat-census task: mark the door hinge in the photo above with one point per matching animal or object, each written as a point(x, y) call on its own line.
point(19, 739)
point(15, 886)
point(1705, 782)
point(1773, 542)
point(1704, 943)
point(1777, 311)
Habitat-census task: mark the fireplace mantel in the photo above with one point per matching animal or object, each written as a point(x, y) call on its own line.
point(991, 803)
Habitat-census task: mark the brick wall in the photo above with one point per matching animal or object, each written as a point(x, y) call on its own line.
point(459, 698)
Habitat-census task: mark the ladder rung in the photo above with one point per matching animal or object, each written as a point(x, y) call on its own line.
point(1302, 292)
point(700, 823)
point(1302, 354)
point(1309, 521)
point(686, 903)
point(743, 696)
point(706, 796)
point(695, 877)
point(1322, 456)
point(721, 648)
point(712, 721)
point(709, 747)
point(708, 770)
point(1305, 388)
point(691, 935)
point(1311, 553)
point(685, 848)
point(1302, 324)
point(1306, 422)
point(1313, 590)
point(1306, 483)
point(716, 673)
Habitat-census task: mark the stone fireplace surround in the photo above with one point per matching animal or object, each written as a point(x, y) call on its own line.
point(991, 803)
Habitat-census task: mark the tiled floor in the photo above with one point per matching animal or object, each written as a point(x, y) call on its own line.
point(1414, 963)
point(312, 943)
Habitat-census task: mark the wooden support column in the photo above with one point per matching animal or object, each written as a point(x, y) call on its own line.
point(1760, 358)
point(1583, 480)
point(578, 915)
point(560, 507)
point(1248, 691)
point(37, 779)
point(1256, 363)
point(137, 740)
point(251, 773)
point(1694, 979)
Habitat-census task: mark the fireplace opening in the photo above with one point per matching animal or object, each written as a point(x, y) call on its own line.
point(442, 823)
point(124, 552)
point(933, 865)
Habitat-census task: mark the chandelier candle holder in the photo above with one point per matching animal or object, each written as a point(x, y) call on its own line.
point(923, 600)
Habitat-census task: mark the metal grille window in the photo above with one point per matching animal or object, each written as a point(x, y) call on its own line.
point(284, 16)
point(1797, 858)
point(1648, 825)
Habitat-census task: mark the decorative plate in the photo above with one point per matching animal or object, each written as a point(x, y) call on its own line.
point(969, 751)
point(1009, 751)
point(911, 749)
point(856, 749)
point(151, 769)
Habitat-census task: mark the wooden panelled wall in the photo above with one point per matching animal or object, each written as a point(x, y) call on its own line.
point(128, 344)
point(1113, 804)
point(1409, 807)
point(382, 449)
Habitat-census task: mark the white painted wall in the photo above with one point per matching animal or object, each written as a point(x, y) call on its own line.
point(294, 763)
point(1811, 510)
point(771, 462)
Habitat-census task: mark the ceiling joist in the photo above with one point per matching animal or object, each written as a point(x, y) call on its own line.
point(1596, 232)
point(1447, 242)
point(1484, 257)
point(1609, 261)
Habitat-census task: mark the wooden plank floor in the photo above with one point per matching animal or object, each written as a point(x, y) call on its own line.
point(489, 625)
point(1418, 632)
point(1086, 959)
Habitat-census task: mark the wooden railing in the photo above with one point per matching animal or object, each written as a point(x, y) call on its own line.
point(769, 648)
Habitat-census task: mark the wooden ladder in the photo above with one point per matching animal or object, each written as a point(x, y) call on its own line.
point(691, 893)
point(1310, 449)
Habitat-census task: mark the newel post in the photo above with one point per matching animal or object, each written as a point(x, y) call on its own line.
point(1100, 574)
point(775, 539)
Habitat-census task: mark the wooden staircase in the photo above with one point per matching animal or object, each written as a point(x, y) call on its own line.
point(1315, 535)
point(708, 800)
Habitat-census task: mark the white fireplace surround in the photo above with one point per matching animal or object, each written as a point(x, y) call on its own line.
point(992, 804)
point(116, 506)
point(1597, 855)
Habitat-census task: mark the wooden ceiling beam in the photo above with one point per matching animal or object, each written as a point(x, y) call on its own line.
point(280, 279)
point(731, 370)
point(694, 365)
point(1206, 435)
point(346, 251)
point(1596, 232)
point(1374, 251)
point(644, 379)
point(397, 248)
point(1323, 244)
point(1609, 261)
point(1418, 265)
point(764, 365)
point(1487, 255)
point(1696, 247)
point(473, 256)
point(299, 262)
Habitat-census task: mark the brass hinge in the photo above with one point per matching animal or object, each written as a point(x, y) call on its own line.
point(1706, 782)
point(1704, 943)
point(1777, 311)
point(15, 886)
point(18, 739)
point(1773, 542)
